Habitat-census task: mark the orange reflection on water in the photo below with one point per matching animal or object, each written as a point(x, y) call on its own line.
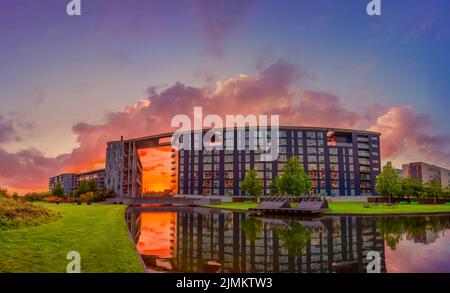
point(158, 234)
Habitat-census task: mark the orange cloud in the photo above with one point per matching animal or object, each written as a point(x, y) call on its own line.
point(269, 92)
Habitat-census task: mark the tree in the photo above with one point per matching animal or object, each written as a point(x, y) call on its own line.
point(389, 182)
point(92, 185)
point(293, 179)
point(3, 192)
point(84, 187)
point(275, 188)
point(433, 189)
point(252, 185)
point(412, 187)
point(58, 190)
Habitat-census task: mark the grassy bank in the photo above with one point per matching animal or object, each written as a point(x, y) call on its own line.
point(17, 214)
point(356, 208)
point(97, 232)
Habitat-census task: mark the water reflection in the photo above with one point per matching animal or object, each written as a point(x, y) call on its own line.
point(206, 240)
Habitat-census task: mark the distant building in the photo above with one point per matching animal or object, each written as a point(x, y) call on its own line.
point(71, 181)
point(68, 182)
point(97, 175)
point(425, 172)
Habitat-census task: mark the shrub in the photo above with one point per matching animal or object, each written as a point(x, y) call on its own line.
point(102, 195)
point(87, 197)
point(16, 214)
point(36, 196)
point(53, 199)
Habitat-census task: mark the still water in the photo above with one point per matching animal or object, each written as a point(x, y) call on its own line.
point(172, 239)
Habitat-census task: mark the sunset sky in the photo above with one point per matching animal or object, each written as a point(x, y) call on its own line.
point(70, 84)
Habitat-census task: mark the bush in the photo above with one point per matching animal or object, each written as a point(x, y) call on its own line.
point(87, 197)
point(16, 214)
point(53, 199)
point(102, 195)
point(36, 196)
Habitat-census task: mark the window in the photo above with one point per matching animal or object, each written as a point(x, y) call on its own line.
point(228, 167)
point(334, 167)
point(312, 167)
point(312, 159)
point(334, 175)
point(312, 175)
point(333, 159)
point(333, 151)
point(312, 150)
point(311, 142)
point(310, 134)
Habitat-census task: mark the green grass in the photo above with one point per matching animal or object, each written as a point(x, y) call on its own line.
point(355, 208)
point(358, 208)
point(98, 232)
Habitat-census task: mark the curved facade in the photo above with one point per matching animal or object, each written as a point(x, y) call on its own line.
point(338, 162)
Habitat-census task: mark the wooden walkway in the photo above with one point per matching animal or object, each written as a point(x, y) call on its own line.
point(314, 205)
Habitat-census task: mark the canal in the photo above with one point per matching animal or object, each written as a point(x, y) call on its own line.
point(172, 239)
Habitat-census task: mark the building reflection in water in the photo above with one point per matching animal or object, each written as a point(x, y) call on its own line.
point(205, 240)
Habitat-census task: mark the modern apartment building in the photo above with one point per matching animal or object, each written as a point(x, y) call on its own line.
point(338, 161)
point(96, 175)
point(68, 182)
point(71, 181)
point(426, 172)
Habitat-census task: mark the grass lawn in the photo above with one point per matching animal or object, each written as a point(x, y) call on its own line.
point(358, 208)
point(355, 208)
point(98, 232)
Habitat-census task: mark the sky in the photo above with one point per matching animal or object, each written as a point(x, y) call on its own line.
point(69, 84)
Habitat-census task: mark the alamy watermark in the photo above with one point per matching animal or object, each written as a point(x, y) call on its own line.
point(374, 265)
point(73, 8)
point(252, 132)
point(74, 266)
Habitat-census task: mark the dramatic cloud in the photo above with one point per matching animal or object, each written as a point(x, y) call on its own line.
point(28, 169)
point(270, 92)
point(403, 130)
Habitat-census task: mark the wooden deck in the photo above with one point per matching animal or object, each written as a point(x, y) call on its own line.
point(306, 206)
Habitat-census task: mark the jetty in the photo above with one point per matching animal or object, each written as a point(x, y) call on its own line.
point(306, 205)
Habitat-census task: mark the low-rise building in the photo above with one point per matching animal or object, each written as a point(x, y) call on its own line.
point(426, 172)
point(68, 182)
point(71, 181)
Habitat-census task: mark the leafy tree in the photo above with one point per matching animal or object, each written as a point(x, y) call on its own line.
point(446, 191)
point(433, 189)
point(275, 188)
point(389, 182)
point(412, 187)
point(3, 192)
point(83, 188)
point(252, 185)
point(294, 180)
point(58, 190)
point(92, 185)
